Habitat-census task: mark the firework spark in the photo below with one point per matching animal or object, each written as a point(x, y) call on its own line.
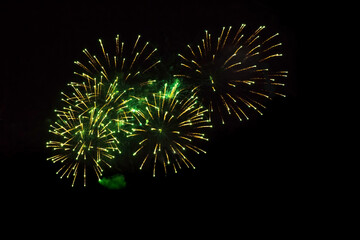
point(231, 72)
point(168, 126)
point(86, 129)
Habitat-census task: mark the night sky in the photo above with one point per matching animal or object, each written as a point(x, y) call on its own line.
point(254, 164)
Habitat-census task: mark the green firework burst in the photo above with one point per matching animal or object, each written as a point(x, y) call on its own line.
point(86, 132)
point(169, 124)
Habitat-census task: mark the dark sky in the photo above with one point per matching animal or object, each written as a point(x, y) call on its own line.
point(255, 162)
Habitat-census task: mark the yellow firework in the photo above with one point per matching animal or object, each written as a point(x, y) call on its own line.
point(169, 126)
point(127, 63)
point(233, 72)
point(84, 134)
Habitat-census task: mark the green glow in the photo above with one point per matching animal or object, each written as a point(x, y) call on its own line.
point(114, 182)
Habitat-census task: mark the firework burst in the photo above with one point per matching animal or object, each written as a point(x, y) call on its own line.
point(169, 125)
point(232, 73)
point(85, 132)
point(129, 63)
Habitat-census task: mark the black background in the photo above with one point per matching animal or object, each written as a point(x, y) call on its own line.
point(253, 168)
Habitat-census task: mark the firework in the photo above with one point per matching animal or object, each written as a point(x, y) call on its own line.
point(129, 63)
point(231, 72)
point(117, 111)
point(85, 132)
point(170, 124)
